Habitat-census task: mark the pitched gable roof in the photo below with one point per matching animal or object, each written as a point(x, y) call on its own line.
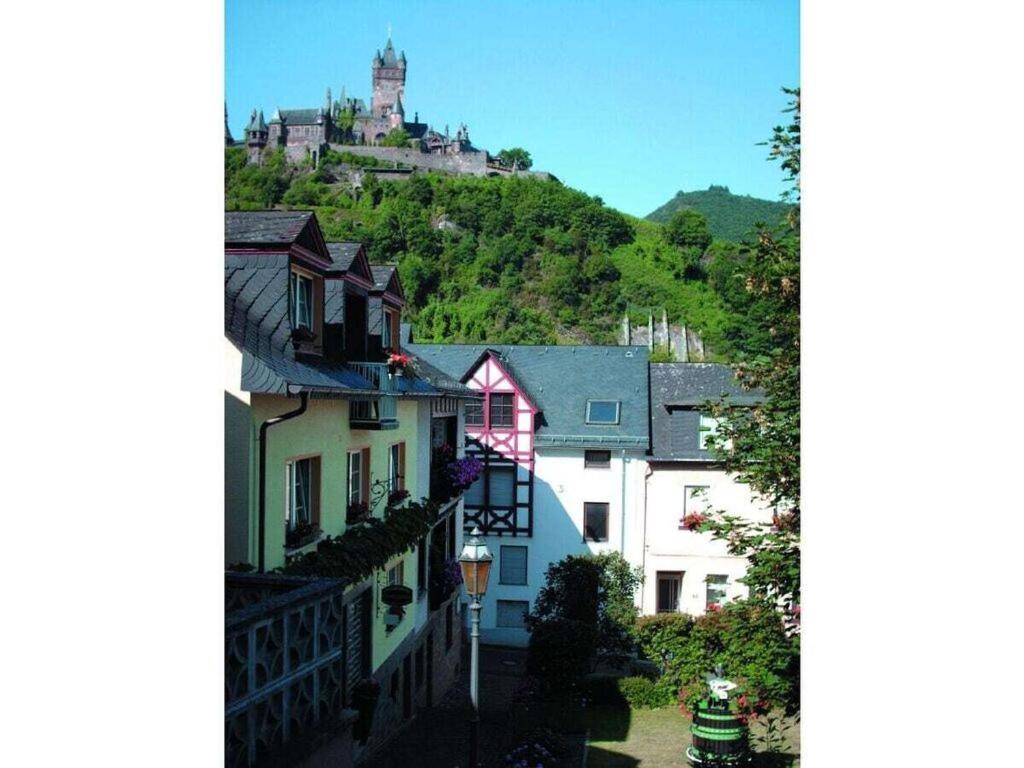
point(559, 380)
point(349, 258)
point(385, 280)
point(274, 230)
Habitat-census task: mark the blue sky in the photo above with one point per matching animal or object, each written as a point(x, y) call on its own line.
point(631, 101)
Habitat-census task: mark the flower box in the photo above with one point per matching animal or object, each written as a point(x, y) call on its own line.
point(301, 535)
point(358, 512)
point(396, 595)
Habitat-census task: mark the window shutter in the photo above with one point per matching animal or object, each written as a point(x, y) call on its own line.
point(314, 491)
point(401, 466)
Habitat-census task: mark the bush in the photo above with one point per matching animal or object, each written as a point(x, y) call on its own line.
point(747, 638)
point(560, 654)
point(644, 693)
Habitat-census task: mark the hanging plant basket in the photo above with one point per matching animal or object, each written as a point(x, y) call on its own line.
point(396, 595)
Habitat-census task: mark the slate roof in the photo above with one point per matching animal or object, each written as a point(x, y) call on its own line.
point(559, 380)
point(298, 116)
point(678, 390)
point(381, 276)
point(257, 321)
point(342, 255)
point(264, 227)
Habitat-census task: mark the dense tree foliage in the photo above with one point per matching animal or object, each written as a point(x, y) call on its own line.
point(762, 443)
point(508, 260)
point(398, 137)
point(730, 217)
point(516, 157)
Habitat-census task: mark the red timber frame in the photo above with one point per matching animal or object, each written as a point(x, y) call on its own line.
point(500, 446)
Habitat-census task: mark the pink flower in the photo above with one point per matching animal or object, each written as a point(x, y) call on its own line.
point(693, 521)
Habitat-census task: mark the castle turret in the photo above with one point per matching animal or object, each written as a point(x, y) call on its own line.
point(228, 138)
point(327, 102)
point(388, 80)
point(256, 137)
point(397, 116)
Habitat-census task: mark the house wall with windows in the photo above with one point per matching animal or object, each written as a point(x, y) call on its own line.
point(564, 486)
point(690, 557)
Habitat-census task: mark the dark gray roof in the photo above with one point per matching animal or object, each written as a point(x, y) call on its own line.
point(264, 227)
point(298, 116)
point(390, 60)
point(559, 380)
point(382, 276)
point(678, 390)
point(256, 321)
point(342, 255)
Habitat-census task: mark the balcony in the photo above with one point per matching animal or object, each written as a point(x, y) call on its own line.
point(375, 412)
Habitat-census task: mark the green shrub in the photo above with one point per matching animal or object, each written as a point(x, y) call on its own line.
point(644, 693)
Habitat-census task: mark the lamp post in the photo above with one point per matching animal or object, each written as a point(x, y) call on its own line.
point(475, 562)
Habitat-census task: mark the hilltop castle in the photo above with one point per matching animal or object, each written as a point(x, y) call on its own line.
point(347, 120)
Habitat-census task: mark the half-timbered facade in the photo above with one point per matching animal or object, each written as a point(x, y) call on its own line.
point(563, 435)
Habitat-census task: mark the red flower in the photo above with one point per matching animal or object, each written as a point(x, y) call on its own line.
point(693, 521)
point(399, 358)
point(741, 702)
point(714, 607)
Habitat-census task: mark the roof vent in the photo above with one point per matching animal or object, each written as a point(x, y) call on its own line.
point(629, 353)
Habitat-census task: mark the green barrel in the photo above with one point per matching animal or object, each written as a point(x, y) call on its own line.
point(719, 737)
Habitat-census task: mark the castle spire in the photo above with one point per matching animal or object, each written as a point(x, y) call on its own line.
point(397, 107)
point(228, 138)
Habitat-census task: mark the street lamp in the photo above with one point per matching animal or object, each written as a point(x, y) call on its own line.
point(475, 562)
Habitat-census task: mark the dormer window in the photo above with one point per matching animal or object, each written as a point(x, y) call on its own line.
point(389, 333)
point(302, 301)
point(603, 412)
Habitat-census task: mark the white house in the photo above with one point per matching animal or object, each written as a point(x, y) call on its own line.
point(685, 570)
point(563, 434)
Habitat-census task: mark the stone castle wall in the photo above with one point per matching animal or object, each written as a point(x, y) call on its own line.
point(470, 163)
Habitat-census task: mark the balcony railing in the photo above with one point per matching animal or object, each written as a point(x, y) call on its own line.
point(377, 375)
point(375, 412)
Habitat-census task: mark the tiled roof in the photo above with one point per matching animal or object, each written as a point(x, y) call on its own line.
point(560, 380)
point(678, 390)
point(264, 227)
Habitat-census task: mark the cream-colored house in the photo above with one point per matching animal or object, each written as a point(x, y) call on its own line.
point(686, 570)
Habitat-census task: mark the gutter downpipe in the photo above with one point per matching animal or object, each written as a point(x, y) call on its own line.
point(622, 510)
point(304, 396)
point(643, 549)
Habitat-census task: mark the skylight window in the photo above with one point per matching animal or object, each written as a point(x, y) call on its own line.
point(602, 411)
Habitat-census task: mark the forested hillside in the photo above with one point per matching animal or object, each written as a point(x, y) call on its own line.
point(513, 260)
point(730, 217)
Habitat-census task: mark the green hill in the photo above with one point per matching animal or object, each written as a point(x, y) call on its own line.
point(507, 260)
point(730, 217)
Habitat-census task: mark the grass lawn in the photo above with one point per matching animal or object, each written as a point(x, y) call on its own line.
point(657, 738)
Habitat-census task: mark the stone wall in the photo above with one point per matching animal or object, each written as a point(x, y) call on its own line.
point(470, 163)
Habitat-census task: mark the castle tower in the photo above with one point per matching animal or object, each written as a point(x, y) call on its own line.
point(388, 79)
point(256, 137)
point(397, 116)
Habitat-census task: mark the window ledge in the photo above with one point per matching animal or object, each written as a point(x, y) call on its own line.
point(303, 548)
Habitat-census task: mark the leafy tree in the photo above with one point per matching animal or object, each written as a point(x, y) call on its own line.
point(398, 137)
point(515, 157)
point(688, 229)
point(761, 444)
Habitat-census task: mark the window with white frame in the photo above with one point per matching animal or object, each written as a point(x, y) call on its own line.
point(670, 586)
point(387, 332)
point(302, 301)
point(717, 584)
point(695, 498)
point(396, 467)
point(708, 427)
point(511, 614)
point(602, 411)
point(303, 492)
point(356, 492)
point(396, 574)
point(512, 565)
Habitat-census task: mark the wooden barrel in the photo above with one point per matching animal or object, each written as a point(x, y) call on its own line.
point(719, 737)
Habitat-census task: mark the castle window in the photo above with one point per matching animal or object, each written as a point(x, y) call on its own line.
point(602, 411)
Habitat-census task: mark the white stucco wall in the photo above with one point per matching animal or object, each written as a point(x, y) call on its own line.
point(667, 548)
point(561, 487)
